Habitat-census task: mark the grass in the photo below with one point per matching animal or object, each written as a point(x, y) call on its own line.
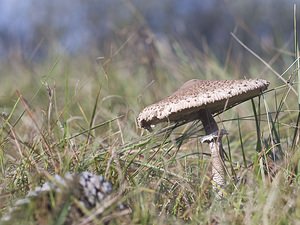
point(77, 114)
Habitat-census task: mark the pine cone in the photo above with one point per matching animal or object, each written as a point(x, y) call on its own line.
point(82, 198)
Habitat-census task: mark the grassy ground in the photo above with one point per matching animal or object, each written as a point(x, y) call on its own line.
point(77, 114)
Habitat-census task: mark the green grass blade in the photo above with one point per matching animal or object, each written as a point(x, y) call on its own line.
point(257, 122)
point(242, 144)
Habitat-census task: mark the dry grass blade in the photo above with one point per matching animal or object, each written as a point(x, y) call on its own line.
point(31, 115)
point(264, 62)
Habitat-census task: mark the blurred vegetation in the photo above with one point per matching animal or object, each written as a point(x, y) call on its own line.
point(80, 27)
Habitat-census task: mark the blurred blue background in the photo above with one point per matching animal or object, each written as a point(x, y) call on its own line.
point(31, 29)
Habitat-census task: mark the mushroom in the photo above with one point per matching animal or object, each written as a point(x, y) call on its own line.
point(200, 100)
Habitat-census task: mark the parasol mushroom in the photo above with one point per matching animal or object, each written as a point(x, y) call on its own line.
point(200, 100)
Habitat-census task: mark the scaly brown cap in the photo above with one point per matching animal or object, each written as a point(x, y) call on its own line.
point(196, 96)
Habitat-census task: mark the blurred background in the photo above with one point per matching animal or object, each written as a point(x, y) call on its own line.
point(30, 30)
point(141, 41)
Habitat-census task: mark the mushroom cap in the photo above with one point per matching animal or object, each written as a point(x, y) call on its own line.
point(198, 96)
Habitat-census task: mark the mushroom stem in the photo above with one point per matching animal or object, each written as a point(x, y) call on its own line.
point(214, 139)
point(218, 170)
point(208, 121)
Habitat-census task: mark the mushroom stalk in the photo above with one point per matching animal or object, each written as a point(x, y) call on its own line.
point(218, 170)
point(214, 139)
